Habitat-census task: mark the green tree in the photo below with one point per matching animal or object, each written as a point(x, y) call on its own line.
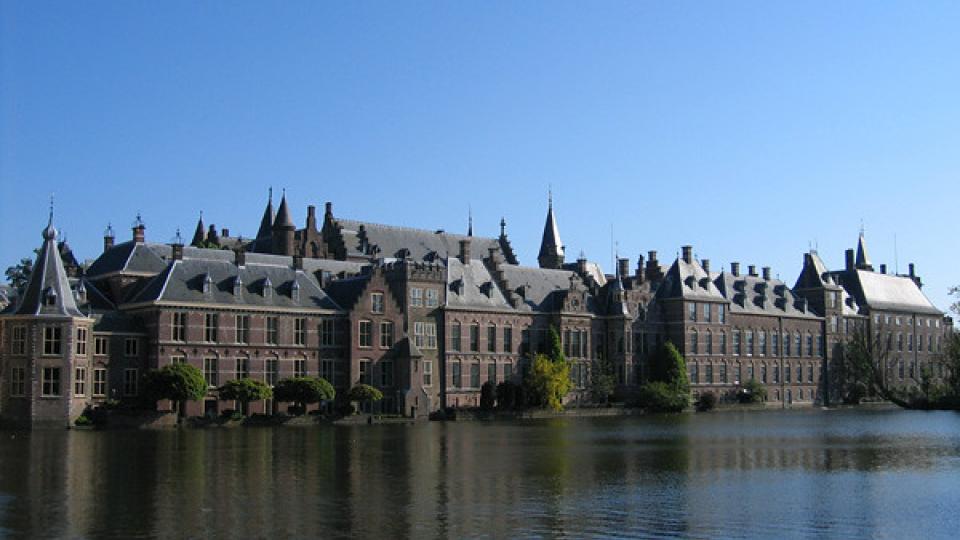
point(669, 366)
point(364, 393)
point(245, 390)
point(752, 392)
point(548, 381)
point(176, 382)
point(19, 274)
point(302, 391)
point(658, 396)
point(488, 396)
point(602, 379)
point(669, 387)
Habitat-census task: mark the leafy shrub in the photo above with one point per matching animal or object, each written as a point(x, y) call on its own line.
point(507, 395)
point(83, 420)
point(662, 397)
point(176, 382)
point(364, 392)
point(303, 391)
point(707, 402)
point(752, 392)
point(487, 396)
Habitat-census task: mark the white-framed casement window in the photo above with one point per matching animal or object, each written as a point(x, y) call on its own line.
point(365, 374)
point(433, 298)
point(416, 297)
point(101, 345)
point(210, 323)
point(272, 335)
point(211, 372)
point(178, 330)
point(99, 382)
point(300, 331)
point(18, 341)
point(80, 381)
point(455, 336)
point(50, 382)
point(18, 381)
point(131, 347)
point(386, 373)
point(52, 340)
point(428, 372)
point(130, 379)
point(365, 334)
point(243, 329)
point(376, 302)
point(386, 334)
point(81, 345)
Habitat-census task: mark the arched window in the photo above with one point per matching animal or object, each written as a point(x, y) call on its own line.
point(694, 339)
point(709, 342)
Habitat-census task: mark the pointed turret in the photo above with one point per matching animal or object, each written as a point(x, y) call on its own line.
point(48, 290)
point(283, 229)
point(863, 260)
point(262, 243)
point(551, 249)
point(469, 222)
point(198, 233)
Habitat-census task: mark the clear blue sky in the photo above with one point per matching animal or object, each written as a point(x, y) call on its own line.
point(747, 129)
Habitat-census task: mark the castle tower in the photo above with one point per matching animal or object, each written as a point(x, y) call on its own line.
point(283, 230)
point(863, 260)
point(551, 249)
point(263, 242)
point(198, 233)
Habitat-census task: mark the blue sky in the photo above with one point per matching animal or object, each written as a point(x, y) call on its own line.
point(750, 130)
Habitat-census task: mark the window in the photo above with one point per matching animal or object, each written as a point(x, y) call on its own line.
point(492, 373)
point(243, 368)
point(365, 374)
point(709, 342)
point(910, 342)
point(736, 342)
point(749, 342)
point(750, 372)
point(328, 333)
point(99, 382)
point(456, 375)
point(786, 374)
point(834, 325)
point(386, 334)
point(708, 374)
point(210, 372)
point(80, 381)
point(786, 344)
point(694, 342)
point(327, 370)
point(492, 338)
point(81, 345)
point(273, 371)
point(819, 345)
point(809, 345)
point(386, 373)
point(723, 373)
point(376, 302)
point(723, 343)
point(722, 314)
point(51, 340)
point(706, 313)
point(431, 329)
point(692, 310)
point(243, 329)
point(474, 337)
point(763, 373)
point(475, 375)
point(428, 373)
point(18, 381)
point(419, 334)
point(797, 345)
point(272, 332)
point(366, 334)
point(300, 331)
point(775, 343)
point(131, 347)
point(101, 345)
point(416, 297)
point(762, 338)
point(694, 373)
point(50, 382)
point(179, 328)
point(433, 299)
point(130, 382)
point(210, 321)
point(299, 367)
point(507, 339)
point(18, 343)
point(455, 336)
point(507, 372)
point(799, 373)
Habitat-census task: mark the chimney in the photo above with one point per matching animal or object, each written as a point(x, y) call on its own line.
point(913, 270)
point(225, 232)
point(298, 262)
point(311, 217)
point(705, 263)
point(883, 269)
point(138, 233)
point(108, 238)
point(639, 275)
point(176, 253)
point(653, 267)
point(849, 260)
point(239, 256)
point(465, 251)
point(328, 209)
point(492, 256)
point(623, 266)
point(687, 254)
point(582, 266)
point(752, 270)
point(766, 273)
point(735, 269)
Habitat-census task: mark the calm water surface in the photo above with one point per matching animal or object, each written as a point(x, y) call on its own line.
point(831, 474)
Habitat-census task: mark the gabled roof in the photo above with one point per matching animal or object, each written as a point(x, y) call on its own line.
point(688, 280)
point(364, 239)
point(814, 274)
point(129, 257)
point(471, 286)
point(756, 295)
point(48, 291)
point(345, 292)
point(887, 292)
point(541, 289)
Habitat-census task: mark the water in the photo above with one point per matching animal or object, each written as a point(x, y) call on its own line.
point(832, 474)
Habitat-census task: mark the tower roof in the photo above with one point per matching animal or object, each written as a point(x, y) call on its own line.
point(283, 215)
point(266, 223)
point(48, 290)
point(198, 233)
point(550, 244)
point(863, 260)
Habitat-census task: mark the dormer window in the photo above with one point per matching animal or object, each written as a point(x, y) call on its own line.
point(50, 298)
point(267, 288)
point(295, 291)
point(690, 281)
point(207, 283)
point(237, 286)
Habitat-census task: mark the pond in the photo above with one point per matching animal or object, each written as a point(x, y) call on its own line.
point(856, 473)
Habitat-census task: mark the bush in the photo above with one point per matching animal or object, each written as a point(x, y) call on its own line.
point(176, 382)
point(364, 392)
point(303, 391)
point(487, 396)
point(507, 393)
point(548, 381)
point(707, 402)
point(245, 390)
point(83, 420)
point(752, 392)
point(663, 397)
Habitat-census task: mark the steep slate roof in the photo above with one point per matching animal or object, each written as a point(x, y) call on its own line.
point(887, 292)
point(543, 288)
point(422, 244)
point(550, 244)
point(345, 292)
point(48, 291)
point(283, 215)
point(471, 286)
point(815, 274)
point(863, 260)
point(688, 280)
point(746, 294)
point(593, 270)
point(182, 282)
point(129, 257)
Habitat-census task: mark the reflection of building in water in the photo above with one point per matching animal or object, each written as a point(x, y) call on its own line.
point(428, 316)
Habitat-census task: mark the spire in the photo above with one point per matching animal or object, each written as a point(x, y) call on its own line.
point(503, 227)
point(283, 219)
point(469, 221)
point(863, 260)
point(266, 223)
point(551, 249)
point(48, 289)
point(198, 233)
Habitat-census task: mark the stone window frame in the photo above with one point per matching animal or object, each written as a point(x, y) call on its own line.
point(386, 334)
point(80, 381)
point(131, 379)
point(50, 382)
point(99, 382)
point(377, 302)
point(365, 333)
point(52, 340)
point(18, 381)
point(18, 339)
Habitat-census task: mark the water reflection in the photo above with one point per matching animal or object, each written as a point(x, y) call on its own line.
point(795, 473)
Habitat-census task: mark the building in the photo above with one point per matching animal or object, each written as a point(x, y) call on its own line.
point(428, 317)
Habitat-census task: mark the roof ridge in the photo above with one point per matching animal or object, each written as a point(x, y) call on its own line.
point(341, 221)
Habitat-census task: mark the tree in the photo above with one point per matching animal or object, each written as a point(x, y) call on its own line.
point(245, 390)
point(602, 380)
point(488, 396)
point(176, 382)
point(18, 275)
point(669, 366)
point(303, 390)
point(865, 361)
point(507, 393)
point(669, 387)
point(547, 382)
point(364, 393)
point(752, 392)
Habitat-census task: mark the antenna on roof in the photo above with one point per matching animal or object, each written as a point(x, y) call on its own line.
point(51, 208)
